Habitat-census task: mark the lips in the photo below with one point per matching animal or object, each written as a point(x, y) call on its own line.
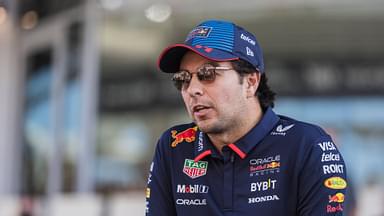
point(200, 110)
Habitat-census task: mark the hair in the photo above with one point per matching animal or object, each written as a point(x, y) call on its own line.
point(264, 92)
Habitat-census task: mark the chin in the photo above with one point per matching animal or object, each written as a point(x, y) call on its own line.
point(209, 127)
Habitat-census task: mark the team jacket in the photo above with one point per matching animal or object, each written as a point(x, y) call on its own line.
point(282, 167)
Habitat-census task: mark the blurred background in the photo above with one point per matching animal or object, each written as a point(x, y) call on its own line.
point(82, 102)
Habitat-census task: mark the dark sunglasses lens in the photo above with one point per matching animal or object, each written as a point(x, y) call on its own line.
point(178, 83)
point(180, 78)
point(206, 74)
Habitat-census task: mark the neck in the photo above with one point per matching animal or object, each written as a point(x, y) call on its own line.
point(233, 134)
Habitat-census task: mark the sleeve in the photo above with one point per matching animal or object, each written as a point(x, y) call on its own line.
point(322, 181)
point(159, 198)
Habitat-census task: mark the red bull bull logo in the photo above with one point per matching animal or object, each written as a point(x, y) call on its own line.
point(188, 135)
point(337, 198)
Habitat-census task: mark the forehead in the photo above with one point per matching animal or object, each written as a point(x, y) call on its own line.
point(193, 61)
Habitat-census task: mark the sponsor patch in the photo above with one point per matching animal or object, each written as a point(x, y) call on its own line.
point(246, 38)
point(280, 130)
point(327, 146)
point(334, 209)
point(150, 174)
point(262, 199)
point(192, 189)
point(200, 144)
point(335, 183)
point(261, 166)
point(249, 51)
point(333, 168)
point(200, 31)
point(148, 193)
point(337, 198)
point(191, 202)
point(263, 185)
point(188, 135)
point(327, 157)
point(195, 169)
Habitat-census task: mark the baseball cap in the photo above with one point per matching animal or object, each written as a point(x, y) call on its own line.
point(216, 40)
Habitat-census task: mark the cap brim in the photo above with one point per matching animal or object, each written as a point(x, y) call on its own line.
point(169, 59)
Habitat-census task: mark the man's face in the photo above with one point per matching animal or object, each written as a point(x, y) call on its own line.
point(215, 106)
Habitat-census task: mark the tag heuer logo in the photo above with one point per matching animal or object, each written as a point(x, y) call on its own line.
point(195, 169)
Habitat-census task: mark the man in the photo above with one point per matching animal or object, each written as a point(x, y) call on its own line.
point(237, 157)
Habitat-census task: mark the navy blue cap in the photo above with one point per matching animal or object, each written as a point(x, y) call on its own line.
point(215, 40)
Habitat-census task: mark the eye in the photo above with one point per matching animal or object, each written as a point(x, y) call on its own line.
point(181, 78)
point(206, 74)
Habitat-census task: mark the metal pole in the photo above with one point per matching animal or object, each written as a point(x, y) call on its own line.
point(89, 98)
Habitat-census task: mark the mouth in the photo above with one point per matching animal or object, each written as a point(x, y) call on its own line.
point(200, 110)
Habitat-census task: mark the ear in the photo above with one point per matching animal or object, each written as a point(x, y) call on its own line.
point(252, 81)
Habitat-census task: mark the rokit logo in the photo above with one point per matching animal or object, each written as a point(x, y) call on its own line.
point(265, 165)
point(333, 168)
point(280, 130)
point(192, 189)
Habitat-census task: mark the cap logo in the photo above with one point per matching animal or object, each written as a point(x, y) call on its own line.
point(246, 38)
point(200, 31)
point(250, 52)
point(206, 49)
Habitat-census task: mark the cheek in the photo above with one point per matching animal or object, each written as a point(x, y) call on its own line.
point(186, 100)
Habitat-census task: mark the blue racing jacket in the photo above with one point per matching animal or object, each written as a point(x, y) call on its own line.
point(282, 167)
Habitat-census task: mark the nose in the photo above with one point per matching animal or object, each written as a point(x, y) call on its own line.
point(195, 87)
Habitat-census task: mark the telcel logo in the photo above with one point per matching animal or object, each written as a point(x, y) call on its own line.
point(246, 38)
point(192, 189)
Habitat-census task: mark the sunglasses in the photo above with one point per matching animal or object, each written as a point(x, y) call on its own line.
point(181, 79)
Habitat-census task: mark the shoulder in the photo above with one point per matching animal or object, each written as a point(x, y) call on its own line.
point(296, 129)
point(300, 138)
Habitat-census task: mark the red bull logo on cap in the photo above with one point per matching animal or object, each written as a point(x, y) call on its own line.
point(188, 135)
